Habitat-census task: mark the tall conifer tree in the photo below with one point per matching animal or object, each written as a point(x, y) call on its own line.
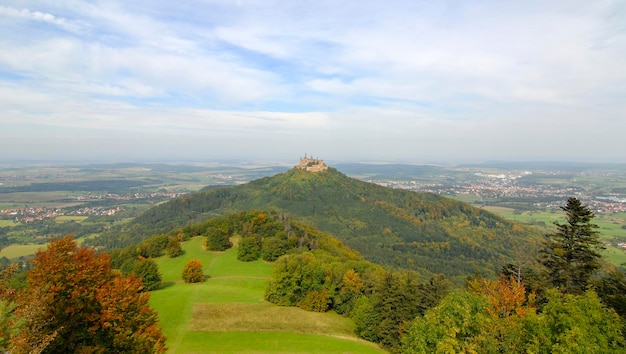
point(571, 254)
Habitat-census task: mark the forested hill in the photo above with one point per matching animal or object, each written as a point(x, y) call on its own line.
point(420, 231)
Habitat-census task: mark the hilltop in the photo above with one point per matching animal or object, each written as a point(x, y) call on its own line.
point(420, 231)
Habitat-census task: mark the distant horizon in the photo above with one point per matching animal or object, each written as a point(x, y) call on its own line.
point(242, 162)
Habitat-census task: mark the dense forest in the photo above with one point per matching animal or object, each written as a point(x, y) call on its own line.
point(419, 231)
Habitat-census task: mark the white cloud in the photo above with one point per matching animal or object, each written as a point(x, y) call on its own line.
point(27, 14)
point(372, 78)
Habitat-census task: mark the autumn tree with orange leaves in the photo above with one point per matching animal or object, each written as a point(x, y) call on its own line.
point(74, 302)
point(192, 272)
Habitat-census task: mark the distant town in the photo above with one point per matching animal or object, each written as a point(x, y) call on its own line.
point(510, 186)
point(31, 214)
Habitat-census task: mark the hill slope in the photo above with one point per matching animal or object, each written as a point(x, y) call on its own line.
point(420, 231)
point(227, 313)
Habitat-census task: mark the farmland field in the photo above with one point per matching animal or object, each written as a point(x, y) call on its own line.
point(16, 251)
point(5, 223)
point(227, 312)
point(610, 227)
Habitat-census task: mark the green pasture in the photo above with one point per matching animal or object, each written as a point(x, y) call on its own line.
point(615, 255)
point(5, 223)
point(16, 251)
point(467, 198)
point(544, 220)
point(271, 342)
point(227, 312)
point(609, 226)
point(57, 198)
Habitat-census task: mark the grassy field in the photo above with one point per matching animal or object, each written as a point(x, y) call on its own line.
point(15, 251)
point(227, 313)
point(609, 226)
point(5, 223)
point(58, 199)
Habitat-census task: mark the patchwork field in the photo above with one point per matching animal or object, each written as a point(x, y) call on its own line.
point(227, 313)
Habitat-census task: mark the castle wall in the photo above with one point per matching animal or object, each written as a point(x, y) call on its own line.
point(312, 165)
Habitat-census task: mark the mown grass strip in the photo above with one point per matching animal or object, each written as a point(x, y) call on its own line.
point(271, 342)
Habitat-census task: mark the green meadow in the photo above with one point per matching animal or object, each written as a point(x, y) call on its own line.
point(59, 199)
point(609, 227)
point(5, 223)
point(16, 251)
point(227, 312)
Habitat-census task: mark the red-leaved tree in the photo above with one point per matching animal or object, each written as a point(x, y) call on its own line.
point(74, 302)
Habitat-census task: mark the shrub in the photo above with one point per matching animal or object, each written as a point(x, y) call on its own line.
point(192, 272)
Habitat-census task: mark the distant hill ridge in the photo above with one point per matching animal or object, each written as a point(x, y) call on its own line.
point(421, 231)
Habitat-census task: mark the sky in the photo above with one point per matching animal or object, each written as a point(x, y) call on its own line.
point(363, 81)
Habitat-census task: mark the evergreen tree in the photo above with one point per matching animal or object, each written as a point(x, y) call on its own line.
point(394, 302)
point(571, 254)
point(612, 290)
point(432, 292)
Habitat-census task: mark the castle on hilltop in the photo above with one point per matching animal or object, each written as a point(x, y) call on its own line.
point(311, 165)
